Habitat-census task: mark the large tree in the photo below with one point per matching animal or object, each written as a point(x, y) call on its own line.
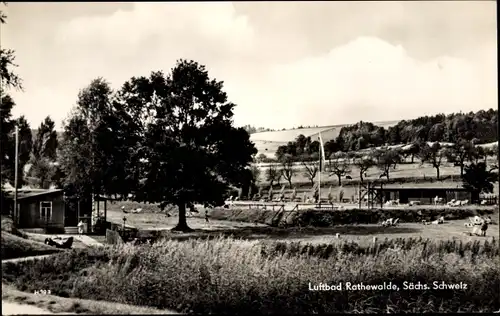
point(461, 153)
point(387, 160)
point(7, 138)
point(273, 174)
point(363, 164)
point(478, 177)
point(339, 166)
point(193, 151)
point(287, 169)
point(9, 79)
point(433, 155)
point(45, 145)
point(311, 169)
point(25, 146)
point(95, 154)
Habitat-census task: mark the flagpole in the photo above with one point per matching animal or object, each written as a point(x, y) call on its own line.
point(320, 169)
point(319, 176)
point(16, 166)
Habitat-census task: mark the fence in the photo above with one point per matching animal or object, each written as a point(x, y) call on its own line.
point(281, 213)
point(489, 199)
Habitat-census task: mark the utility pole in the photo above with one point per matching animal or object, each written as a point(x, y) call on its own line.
point(15, 175)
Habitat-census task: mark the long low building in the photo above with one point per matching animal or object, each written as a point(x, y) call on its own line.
point(426, 195)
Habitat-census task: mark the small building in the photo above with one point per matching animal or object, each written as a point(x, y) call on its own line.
point(39, 208)
point(426, 194)
point(50, 209)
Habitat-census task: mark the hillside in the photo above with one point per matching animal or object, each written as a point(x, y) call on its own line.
point(268, 142)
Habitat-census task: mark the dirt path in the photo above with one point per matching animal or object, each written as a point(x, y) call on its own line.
point(28, 258)
point(9, 308)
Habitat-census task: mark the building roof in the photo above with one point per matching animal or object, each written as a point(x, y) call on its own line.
point(29, 193)
point(425, 186)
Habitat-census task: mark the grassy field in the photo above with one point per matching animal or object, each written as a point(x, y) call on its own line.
point(252, 224)
point(17, 247)
point(268, 142)
point(235, 276)
point(408, 170)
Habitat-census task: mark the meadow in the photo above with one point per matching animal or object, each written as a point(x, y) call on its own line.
point(17, 247)
point(403, 173)
point(227, 275)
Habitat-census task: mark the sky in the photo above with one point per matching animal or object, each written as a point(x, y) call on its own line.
point(284, 64)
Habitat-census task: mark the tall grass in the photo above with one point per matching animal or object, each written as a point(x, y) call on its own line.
point(235, 276)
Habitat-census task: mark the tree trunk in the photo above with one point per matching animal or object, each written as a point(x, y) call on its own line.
point(461, 169)
point(412, 158)
point(290, 182)
point(361, 176)
point(437, 172)
point(387, 173)
point(340, 179)
point(182, 225)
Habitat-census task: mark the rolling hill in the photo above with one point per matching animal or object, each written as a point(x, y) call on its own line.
point(268, 142)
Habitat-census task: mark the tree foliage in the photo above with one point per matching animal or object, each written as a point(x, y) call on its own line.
point(311, 170)
point(7, 142)
point(478, 177)
point(193, 152)
point(287, 169)
point(454, 128)
point(461, 153)
point(432, 154)
point(387, 159)
point(46, 142)
point(8, 78)
point(338, 165)
point(25, 147)
point(273, 174)
point(363, 164)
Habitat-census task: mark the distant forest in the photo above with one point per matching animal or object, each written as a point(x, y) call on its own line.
point(480, 127)
point(252, 129)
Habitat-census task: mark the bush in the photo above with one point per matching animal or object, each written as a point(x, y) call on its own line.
point(231, 276)
point(327, 218)
point(8, 226)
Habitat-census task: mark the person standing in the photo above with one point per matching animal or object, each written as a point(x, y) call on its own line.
point(80, 227)
point(206, 214)
point(484, 228)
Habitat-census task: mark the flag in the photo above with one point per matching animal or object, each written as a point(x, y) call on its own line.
point(321, 153)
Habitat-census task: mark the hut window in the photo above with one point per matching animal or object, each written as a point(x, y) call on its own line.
point(46, 210)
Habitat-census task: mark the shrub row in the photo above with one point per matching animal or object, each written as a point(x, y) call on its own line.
point(333, 182)
point(230, 276)
point(327, 218)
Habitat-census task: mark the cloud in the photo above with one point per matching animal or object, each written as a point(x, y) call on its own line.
point(369, 79)
point(277, 77)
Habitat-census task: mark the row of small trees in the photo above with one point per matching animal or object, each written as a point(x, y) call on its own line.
point(340, 164)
